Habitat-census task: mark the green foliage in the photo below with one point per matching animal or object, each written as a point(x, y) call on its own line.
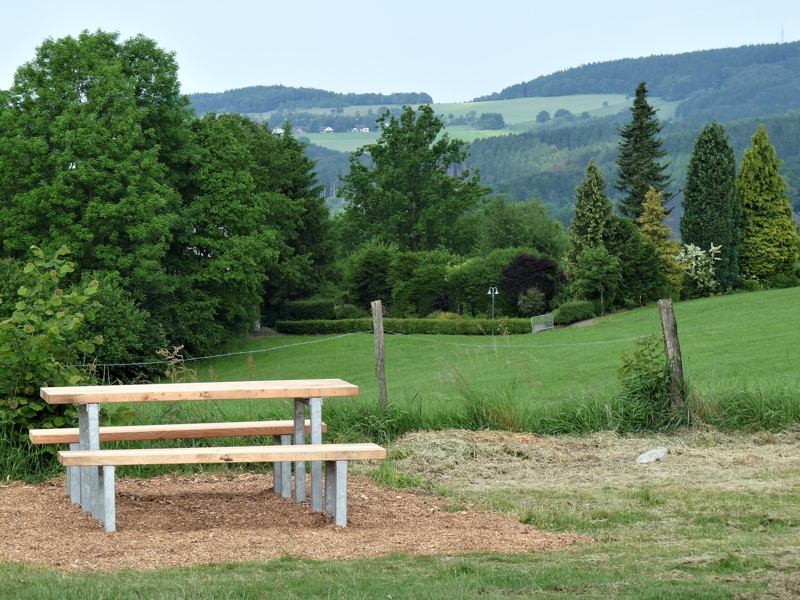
point(768, 246)
point(711, 202)
point(597, 274)
point(366, 273)
point(531, 303)
point(642, 278)
point(264, 98)
point(308, 310)
point(543, 117)
point(409, 326)
point(349, 311)
point(40, 346)
point(640, 155)
point(130, 334)
point(655, 232)
point(572, 312)
point(644, 378)
point(592, 215)
point(699, 270)
point(470, 281)
point(504, 224)
point(526, 272)
point(491, 121)
point(405, 196)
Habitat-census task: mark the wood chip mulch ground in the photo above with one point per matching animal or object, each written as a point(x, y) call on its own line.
point(178, 521)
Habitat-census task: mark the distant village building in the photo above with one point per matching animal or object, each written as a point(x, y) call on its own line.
point(299, 130)
point(365, 130)
point(278, 131)
point(328, 130)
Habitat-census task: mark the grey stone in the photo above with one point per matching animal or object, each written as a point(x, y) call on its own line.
point(652, 455)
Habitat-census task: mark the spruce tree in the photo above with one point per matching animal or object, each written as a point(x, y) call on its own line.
point(592, 215)
point(768, 247)
point(654, 231)
point(711, 202)
point(640, 154)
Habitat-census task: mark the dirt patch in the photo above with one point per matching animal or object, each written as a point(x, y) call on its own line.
point(177, 521)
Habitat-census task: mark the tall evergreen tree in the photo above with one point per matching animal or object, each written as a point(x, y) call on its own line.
point(592, 215)
point(711, 203)
point(655, 232)
point(768, 246)
point(640, 154)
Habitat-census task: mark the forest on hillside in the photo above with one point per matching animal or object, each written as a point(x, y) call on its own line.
point(263, 98)
point(723, 84)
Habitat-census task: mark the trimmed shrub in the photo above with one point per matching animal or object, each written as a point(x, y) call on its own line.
point(572, 312)
point(350, 311)
point(409, 326)
point(307, 310)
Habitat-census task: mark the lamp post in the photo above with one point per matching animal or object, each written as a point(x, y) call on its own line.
point(492, 292)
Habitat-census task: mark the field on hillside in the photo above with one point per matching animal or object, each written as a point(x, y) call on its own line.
point(519, 114)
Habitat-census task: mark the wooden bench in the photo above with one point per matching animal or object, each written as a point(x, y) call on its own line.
point(335, 457)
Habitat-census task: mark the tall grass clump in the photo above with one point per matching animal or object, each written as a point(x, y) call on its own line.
point(749, 406)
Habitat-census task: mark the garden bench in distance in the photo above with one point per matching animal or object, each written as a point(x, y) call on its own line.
point(308, 392)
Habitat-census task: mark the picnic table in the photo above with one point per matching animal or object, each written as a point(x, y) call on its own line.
point(92, 479)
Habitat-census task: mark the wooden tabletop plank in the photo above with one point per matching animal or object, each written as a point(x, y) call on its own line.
point(129, 433)
point(233, 454)
point(216, 390)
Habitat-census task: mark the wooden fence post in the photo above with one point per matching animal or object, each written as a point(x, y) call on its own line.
point(672, 348)
point(380, 350)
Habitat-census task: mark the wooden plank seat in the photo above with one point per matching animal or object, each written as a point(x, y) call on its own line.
point(281, 431)
point(335, 456)
point(132, 433)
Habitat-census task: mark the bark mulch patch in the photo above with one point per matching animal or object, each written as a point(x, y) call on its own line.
point(174, 521)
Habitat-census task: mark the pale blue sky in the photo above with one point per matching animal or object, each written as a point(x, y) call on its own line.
point(454, 50)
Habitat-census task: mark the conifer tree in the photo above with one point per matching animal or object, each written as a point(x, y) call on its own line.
point(657, 233)
point(768, 246)
point(711, 202)
point(592, 215)
point(640, 154)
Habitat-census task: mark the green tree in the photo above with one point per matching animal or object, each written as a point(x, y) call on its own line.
point(640, 155)
point(768, 247)
point(526, 224)
point(654, 231)
point(642, 278)
point(85, 136)
point(405, 195)
point(543, 117)
point(711, 210)
point(597, 274)
point(592, 215)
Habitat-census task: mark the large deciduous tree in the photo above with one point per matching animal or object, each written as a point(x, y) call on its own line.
point(83, 132)
point(768, 246)
point(640, 156)
point(404, 194)
point(711, 203)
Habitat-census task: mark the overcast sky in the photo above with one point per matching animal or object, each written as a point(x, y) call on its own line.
point(454, 50)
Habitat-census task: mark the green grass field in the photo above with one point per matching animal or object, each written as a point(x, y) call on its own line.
point(717, 519)
point(519, 115)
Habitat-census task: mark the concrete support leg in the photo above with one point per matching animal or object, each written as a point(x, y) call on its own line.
point(74, 480)
point(85, 472)
point(315, 405)
point(96, 502)
point(109, 500)
point(299, 438)
point(330, 488)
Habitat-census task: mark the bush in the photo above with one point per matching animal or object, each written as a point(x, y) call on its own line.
point(528, 271)
point(366, 273)
point(40, 346)
point(409, 326)
point(349, 311)
point(531, 303)
point(307, 310)
point(571, 312)
point(750, 285)
point(644, 379)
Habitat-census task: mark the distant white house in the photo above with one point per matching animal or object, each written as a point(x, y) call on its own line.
point(364, 130)
point(299, 130)
point(278, 131)
point(328, 130)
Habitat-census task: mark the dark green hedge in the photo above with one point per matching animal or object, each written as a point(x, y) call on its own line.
point(572, 312)
point(307, 310)
point(408, 326)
